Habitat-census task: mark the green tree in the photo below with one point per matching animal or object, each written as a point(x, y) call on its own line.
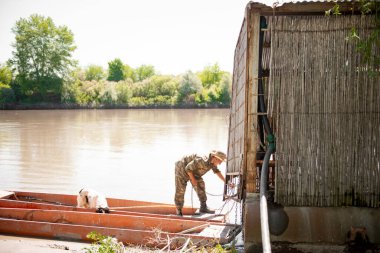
point(42, 58)
point(210, 75)
point(115, 70)
point(203, 97)
point(5, 74)
point(129, 72)
point(144, 72)
point(94, 72)
point(225, 89)
point(7, 94)
point(189, 85)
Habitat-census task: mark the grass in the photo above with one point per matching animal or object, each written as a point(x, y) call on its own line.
point(108, 244)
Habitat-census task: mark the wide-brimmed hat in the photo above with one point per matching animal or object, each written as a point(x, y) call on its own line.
point(220, 155)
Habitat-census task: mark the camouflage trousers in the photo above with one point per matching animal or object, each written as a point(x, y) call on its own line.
point(181, 179)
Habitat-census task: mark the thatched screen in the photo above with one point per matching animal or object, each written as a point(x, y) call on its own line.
point(325, 107)
point(238, 107)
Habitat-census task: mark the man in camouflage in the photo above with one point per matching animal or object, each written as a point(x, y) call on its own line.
point(192, 168)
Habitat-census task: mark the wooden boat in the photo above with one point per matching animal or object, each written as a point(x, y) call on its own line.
point(151, 224)
point(51, 201)
point(114, 204)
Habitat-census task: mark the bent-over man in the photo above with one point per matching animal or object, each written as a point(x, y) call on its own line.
point(192, 168)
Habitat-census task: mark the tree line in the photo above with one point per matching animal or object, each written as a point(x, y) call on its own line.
point(42, 70)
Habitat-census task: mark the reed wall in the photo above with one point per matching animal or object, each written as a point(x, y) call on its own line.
point(237, 126)
point(325, 108)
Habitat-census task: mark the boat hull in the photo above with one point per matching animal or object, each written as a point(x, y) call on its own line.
point(104, 220)
point(150, 224)
point(79, 232)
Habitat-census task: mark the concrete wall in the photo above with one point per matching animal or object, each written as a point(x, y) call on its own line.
point(313, 224)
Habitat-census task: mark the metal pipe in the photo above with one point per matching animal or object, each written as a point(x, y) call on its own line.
point(263, 201)
point(264, 124)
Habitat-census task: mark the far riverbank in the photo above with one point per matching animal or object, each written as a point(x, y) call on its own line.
point(59, 106)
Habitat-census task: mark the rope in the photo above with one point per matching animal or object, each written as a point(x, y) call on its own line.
point(220, 208)
point(214, 195)
point(192, 188)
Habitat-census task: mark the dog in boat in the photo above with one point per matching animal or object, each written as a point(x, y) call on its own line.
point(89, 198)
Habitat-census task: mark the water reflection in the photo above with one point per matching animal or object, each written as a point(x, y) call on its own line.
point(123, 153)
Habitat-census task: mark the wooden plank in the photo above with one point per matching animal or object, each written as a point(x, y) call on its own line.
point(299, 8)
point(272, 163)
point(251, 110)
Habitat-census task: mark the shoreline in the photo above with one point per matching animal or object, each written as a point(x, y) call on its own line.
point(57, 106)
point(24, 244)
point(21, 244)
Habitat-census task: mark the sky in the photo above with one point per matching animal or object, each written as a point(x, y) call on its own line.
point(172, 35)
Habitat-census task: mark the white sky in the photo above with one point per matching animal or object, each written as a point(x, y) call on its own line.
point(172, 35)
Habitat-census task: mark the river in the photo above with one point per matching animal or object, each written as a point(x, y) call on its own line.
point(121, 153)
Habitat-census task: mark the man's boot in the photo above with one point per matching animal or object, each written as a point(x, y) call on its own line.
point(179, 212)
point(204, 208)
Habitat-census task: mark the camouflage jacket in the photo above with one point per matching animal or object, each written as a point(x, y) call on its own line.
point(196, 164)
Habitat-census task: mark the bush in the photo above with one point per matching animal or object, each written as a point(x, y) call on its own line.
point(5, 75)
point(189, 85)
point(104, 244)
point(107, 95)
point(161, 100)
point(123, 91)
point(156, 90)
point(138, 101)
point(7, 95)
point(88, 93)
